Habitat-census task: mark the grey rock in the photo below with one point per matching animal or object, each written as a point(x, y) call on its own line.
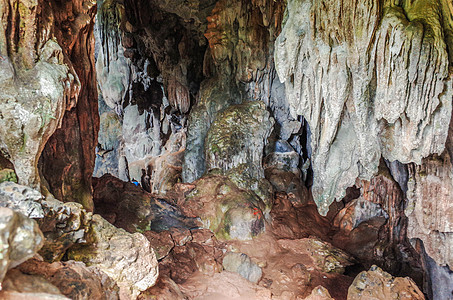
point(215, 96)
point(20, 239)
point(362, 94)
point(242, 264)
point(126, 258)
point(32, 105)
point(21, 198)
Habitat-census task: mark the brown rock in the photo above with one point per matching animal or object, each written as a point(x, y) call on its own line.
point(73, 279)
point(377, 284)
point(67, 161)
point(319, 293)
point(20, 286)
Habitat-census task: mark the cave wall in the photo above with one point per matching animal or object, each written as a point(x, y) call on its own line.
point(49, 83)
point(372, 78)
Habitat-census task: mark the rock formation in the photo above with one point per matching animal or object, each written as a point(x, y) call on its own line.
point(255, 149)
point(380, 87)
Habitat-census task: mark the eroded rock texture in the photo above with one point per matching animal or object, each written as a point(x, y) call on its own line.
point(372, 79)
point(126, 258)
point(429, 209)
point(38, 81)
point(20, 239)
point(68, 159)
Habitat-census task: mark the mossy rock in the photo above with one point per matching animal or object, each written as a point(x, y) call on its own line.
point(8, 175)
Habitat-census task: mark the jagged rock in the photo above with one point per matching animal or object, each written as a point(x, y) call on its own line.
point(429, 209)
point(20, 286)
point(20, 239)
point(63, 225)
point(292, 220)
point(21, 198)
point(73, 279)
point(242, 264)
point(377, 284)
point(230, 212)
point(319, 293)
point(126, 258)
point(162, 242)
point(360, 86)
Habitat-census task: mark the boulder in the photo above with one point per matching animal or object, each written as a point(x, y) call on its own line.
point(63, 225)
point(319, 293)
point(380, 285)
point(242, 264)
point(224, 208)
point(20, 239)
point(126, 258)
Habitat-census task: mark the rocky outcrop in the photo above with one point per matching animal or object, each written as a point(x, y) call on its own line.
point(126, 258)
point(242, 264)
point(67, 161)
point(377, 284)
point(20, 239)
point(38, 82)
point(22, 199)
point(373, 88)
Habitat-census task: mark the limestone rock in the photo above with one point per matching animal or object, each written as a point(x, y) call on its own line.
point(21, 198)
point(352, 69)
point(63, 225)
point(356, 212)
point(429, 208)
point(126, 258)
point(242, 264)
point(67, 160)
point(20, 239)
point(238, 136)
point(377, 284)
point(214, 97)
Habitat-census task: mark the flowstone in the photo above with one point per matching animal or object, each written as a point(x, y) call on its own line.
point(371, 81)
